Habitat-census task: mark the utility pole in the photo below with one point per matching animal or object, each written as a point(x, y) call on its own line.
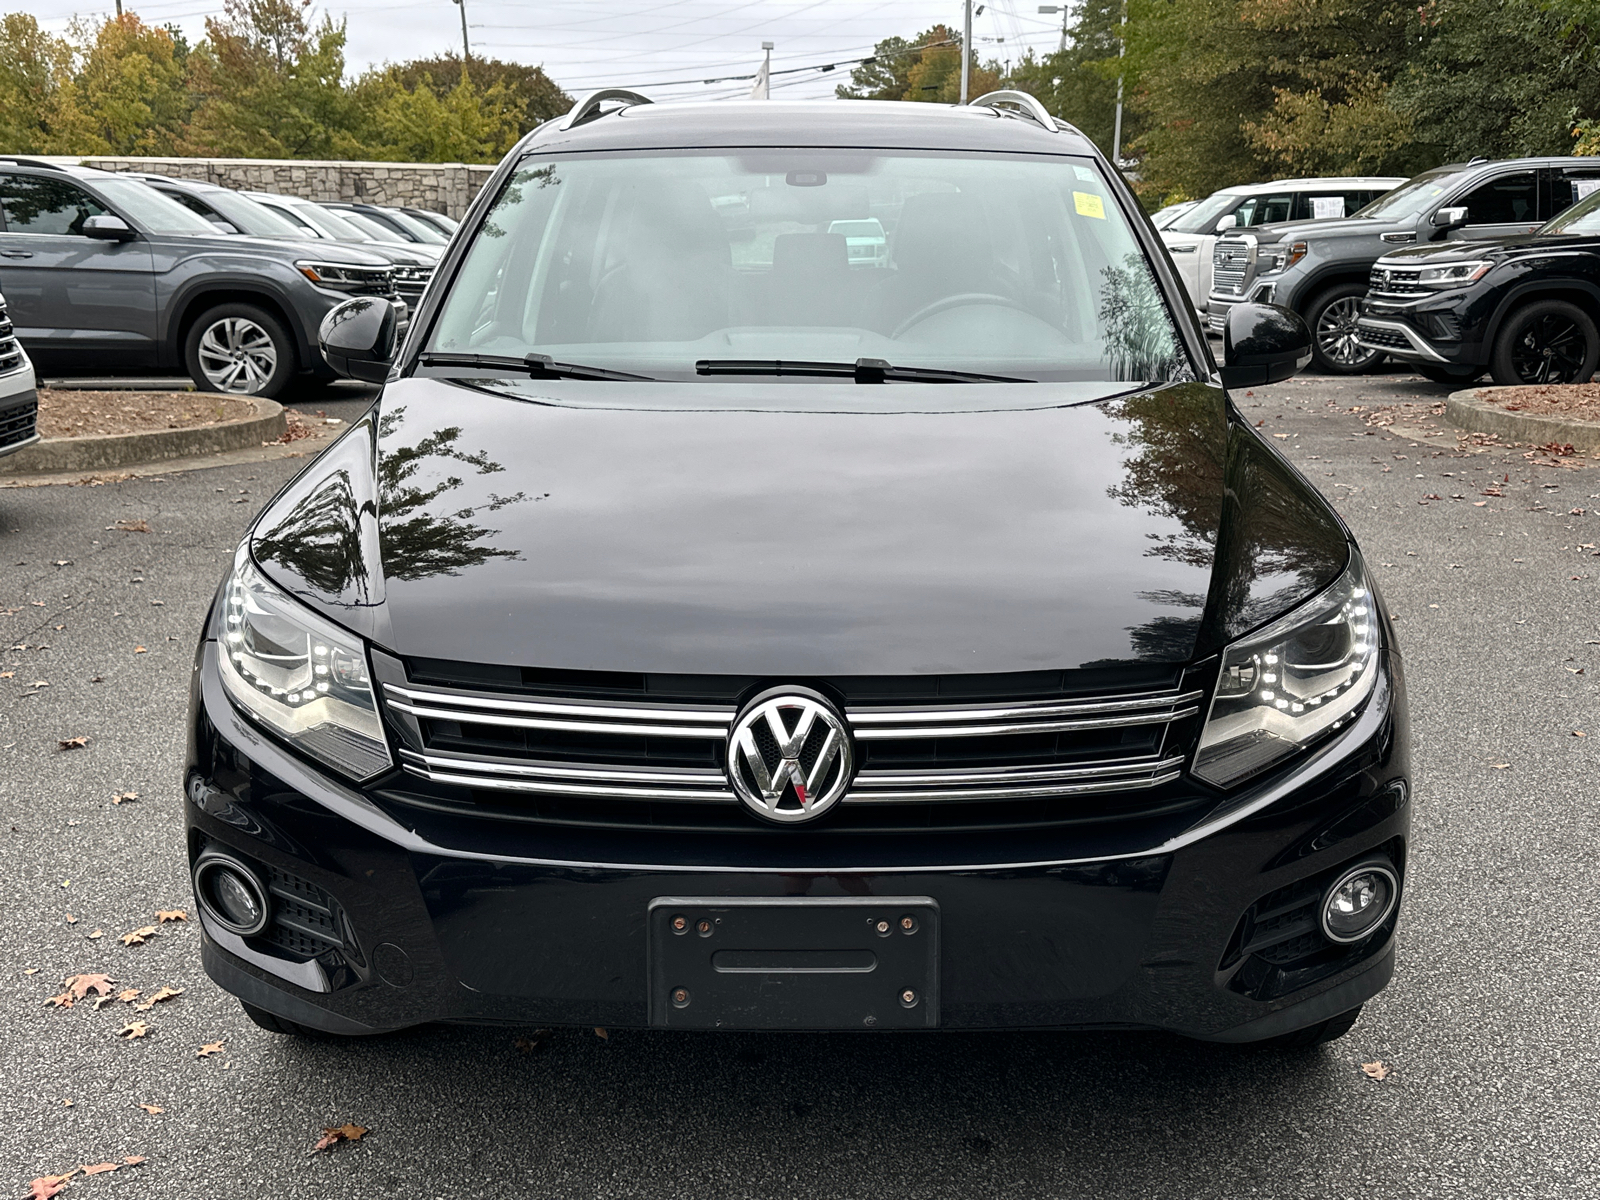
point(1066, 12)
point(1122, 51)
point(966, 49)
point(119, 10)
point(466, 50)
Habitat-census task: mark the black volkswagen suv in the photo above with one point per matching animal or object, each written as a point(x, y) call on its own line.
point(1527, 309)
point(708, 629)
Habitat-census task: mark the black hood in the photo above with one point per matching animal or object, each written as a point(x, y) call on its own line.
point(1523, 243)
point(573, 531)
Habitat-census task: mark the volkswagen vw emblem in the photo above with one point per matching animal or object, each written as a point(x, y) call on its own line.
point(789, 756)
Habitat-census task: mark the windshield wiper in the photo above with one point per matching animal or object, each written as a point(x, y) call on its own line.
point(537, 366)
point(863, 370)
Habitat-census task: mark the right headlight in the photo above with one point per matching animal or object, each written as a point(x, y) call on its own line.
point(348, 277)
point(1292, 681)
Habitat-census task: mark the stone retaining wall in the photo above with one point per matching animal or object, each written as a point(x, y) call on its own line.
point(442, 187)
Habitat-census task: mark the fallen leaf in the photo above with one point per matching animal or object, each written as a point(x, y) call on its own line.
point(30, 970)
point(155, 1110)
point(47, 1186)
point(64, 1000)
point(1499, 766)
point(119, 797)
point(73, 743)
point(600, 1032)
point(71, 920)
point(140, 650)
point(532, 1045)
point(1578, 733)
point(1374, 1070)
point(138, 937)
point(100, 1168)
point(132, 1160)
point(171, 914)
point(7, 674)
point(134, 1029)
point(156, 997)
point(124, 525)
point(66, 1102)
point(343, 1133)
point(208, 1050)
point(1479, 503)
point(80, 986)
point(96, 935)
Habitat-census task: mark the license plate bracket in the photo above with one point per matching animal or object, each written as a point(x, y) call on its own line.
point(801, 962)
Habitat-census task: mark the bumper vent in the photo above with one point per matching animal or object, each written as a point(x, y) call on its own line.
point(19, 424)
point(1377, 335)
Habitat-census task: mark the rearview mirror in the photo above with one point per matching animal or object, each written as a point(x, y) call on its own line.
point(108, 229)
point(1263, 343)
point(1227, 222)
point(1449, 218)
point(358, 338)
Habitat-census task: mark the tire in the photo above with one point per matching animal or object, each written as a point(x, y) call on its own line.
point(1332, 318)
point(1313, 1035)
point(1450, 376)
point(1548, 341)
point(239, 350)
point(273, 1023)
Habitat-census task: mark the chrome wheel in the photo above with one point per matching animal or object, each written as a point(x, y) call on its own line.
point(1551, 349)
point(1336, 334)
point(237, 355)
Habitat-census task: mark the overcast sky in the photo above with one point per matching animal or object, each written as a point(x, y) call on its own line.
point(585, 44)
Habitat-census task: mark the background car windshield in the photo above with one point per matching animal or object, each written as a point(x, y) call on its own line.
point(369, 228)
point(331, 224)
point(421, 229)
point(1582, 217)
point(148, 207)
point(1014, 266)
point(1199, 218)
point(1409, 199)
point(251, 216)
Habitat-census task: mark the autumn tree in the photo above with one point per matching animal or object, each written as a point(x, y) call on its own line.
point(1079, 84)
point(35, 83)
point(129, 94)
point(925, 68)
point(531, 96)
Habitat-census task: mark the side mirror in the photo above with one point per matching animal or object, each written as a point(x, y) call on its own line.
point(1448, 218)
point(1263, 343)
point(359, 338)
point(1227, 222)
point(108, 229)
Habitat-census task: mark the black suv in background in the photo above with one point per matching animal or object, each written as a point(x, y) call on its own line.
point(104, 274)
point(1320, 269)
point(1527, 309)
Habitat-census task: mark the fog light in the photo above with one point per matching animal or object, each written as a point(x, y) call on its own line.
point(1359, 901)
point(231, 894)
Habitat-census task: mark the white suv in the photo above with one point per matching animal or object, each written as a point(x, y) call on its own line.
point(19, 397)
point(1191, 238)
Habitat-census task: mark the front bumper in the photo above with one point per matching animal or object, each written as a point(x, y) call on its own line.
point(19, 411)
point(467, 920)
point(1416, 332)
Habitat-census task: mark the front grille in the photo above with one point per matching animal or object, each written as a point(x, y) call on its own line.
point(303, 921)
point(1230, 266)
point(10, 350)
point(1395, 281)
point(410, 282)
point(18, 425)
point(1377, 335)
point(597, 760)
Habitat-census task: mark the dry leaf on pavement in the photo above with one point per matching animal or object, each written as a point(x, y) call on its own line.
point(134, 1029)
point(208, 1050)
point(153, 1109)
point(531, 1045)
point(342, 1133)
point(81, 985)
point(47, 1186)
point(126, 996)
point(157, 997)
point(599, 1032)
point(71, 920)
point(171, 914)
point(1375, 1070)
point(124, 525)
point(99, 1168)
point(138, 937)
point(119, 797)
point(96, 935)
point(72, 743)
point(140, 650)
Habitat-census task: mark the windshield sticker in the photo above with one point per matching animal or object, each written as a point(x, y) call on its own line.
point(1089, 205)
point(1086, 174)
point(1584, 187)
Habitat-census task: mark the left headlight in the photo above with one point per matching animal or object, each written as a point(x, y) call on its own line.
point(1287, 684)
point(1453, 274)
point(346, 277)
point(302, 677)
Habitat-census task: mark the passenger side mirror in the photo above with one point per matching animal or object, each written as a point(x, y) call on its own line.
point(1263, 343)
point(1448, 218)
point(108, 229)
point(359, 338)
point(1227, 222)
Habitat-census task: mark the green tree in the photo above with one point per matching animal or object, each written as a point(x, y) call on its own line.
point(129, 94)
point(531, 94)
point(270, 86)
point(1079, 84)
point(925, 68)
point(457, 123)
point(35, 85)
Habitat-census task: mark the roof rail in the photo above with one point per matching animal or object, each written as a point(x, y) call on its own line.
point(31, 162)
point(1026, 105)
point(588, 108)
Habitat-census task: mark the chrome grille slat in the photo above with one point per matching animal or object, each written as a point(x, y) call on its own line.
point(998, 775)
point(569, 716)
point(1035, 792)
point(899, 724)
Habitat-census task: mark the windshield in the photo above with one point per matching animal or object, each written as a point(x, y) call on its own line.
point(1198, 219)
point(1582, 217)
point(253, 217)
point(661, 264)
point(368, 227)
point(330, 224)
point(151, 209)
point(1410, 199)
point(420, 229)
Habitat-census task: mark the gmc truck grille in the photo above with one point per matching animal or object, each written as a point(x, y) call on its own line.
point(1230, 266)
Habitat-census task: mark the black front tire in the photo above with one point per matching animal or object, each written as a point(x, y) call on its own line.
point(1332, 318)
point(273, 1023)
point(1548, 341)
point(239, 350)
point(1449, 376)
point(1313, 1035)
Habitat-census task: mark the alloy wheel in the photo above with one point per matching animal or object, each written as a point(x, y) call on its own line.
point(1550, 350)
point(1336, 333)
point(237, 355)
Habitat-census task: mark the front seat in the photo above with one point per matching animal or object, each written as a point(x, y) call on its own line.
point(940, 248)
point(669, 271)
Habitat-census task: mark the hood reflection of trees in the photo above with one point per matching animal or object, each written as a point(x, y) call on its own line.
point(417, 541)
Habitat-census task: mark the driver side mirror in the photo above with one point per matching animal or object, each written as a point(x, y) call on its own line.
point(107, 228)
point(1263, 343)
point(1227, 222)
point(1448, 218)
point(359, 338)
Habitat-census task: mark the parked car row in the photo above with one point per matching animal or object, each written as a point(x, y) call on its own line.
point(1466, 268)
point(121, 272)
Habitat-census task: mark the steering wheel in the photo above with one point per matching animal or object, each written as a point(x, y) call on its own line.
point(958, 301)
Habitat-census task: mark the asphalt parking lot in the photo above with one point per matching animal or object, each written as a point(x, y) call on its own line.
point(1490, 560)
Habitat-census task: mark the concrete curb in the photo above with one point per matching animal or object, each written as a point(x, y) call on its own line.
point(111, 450)
point(1467, 411)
